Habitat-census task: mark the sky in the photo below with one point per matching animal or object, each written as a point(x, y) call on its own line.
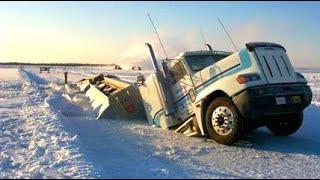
point(115, 32)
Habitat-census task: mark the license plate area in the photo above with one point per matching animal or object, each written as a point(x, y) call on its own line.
point(280, 100)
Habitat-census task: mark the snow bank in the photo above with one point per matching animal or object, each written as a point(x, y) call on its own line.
point(314, 82)
point(62, 103)
point(38, 146)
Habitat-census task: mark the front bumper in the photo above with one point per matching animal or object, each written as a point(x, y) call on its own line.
point(261, 101)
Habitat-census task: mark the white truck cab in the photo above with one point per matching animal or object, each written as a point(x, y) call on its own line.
point(221, 94)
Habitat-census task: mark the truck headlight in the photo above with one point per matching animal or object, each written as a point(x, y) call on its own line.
point(244, 78)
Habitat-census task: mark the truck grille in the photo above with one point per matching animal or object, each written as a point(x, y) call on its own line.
point(275, 65)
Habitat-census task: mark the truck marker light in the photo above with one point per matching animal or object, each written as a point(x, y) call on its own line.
point(241, 79)
point(244, 78)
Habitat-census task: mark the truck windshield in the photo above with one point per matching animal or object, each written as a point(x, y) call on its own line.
point(199, 62)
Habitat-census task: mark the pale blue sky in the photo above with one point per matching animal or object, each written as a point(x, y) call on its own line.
point(99, 32)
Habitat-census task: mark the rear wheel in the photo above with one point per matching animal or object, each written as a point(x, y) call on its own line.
point(222, 121)
point(286, 124)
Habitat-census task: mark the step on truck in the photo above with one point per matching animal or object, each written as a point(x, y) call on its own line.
point(212, 93)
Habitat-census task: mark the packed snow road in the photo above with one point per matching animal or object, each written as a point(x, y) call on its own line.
point(43, 135)
point(33, 143)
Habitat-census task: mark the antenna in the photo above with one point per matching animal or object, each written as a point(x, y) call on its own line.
point(235, 47)
point(155, 29)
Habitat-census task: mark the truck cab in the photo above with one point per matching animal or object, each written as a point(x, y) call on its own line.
point(210, 93)
point(222, 94)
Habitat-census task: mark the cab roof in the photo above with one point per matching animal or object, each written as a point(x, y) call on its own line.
point(251, 45)
point(197, 53)
point(206, 52)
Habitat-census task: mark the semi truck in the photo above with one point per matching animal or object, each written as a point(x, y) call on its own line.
point(211, 93)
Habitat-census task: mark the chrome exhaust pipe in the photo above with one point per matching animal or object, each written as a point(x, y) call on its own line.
point(154, 60)
point(164, 91)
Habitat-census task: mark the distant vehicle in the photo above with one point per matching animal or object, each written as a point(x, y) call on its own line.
point(47, 69)
point(117, 67)
point(212, 93)
point(136, 68)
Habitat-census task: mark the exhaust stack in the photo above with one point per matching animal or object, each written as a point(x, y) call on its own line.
point(165, 93)
point(208, 47)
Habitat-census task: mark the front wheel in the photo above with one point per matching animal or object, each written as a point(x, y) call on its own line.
point(285, 125)
point(222, 121)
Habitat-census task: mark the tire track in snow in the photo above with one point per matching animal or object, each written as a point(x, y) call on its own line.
point(37, 147)
point(62, 149)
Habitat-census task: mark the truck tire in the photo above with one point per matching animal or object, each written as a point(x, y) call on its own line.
point(286, 124)
point(223, 123)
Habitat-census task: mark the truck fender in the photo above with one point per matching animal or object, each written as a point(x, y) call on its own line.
point(202, 105)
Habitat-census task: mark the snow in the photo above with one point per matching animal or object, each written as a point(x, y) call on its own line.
point(314, 83)
point(33, 142)
point(48, 130)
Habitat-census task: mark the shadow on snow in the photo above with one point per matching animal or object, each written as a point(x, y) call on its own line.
point(305, 141)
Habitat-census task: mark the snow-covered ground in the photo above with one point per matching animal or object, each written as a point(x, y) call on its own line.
point(43, 135)
point(314, 83)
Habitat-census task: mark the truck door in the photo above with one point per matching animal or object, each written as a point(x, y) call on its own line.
point(180, 86)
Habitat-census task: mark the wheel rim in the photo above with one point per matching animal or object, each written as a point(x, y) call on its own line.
point(222, 120)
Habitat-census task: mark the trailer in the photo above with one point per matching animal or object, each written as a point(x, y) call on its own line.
point(210, 93)
point(46, 69)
